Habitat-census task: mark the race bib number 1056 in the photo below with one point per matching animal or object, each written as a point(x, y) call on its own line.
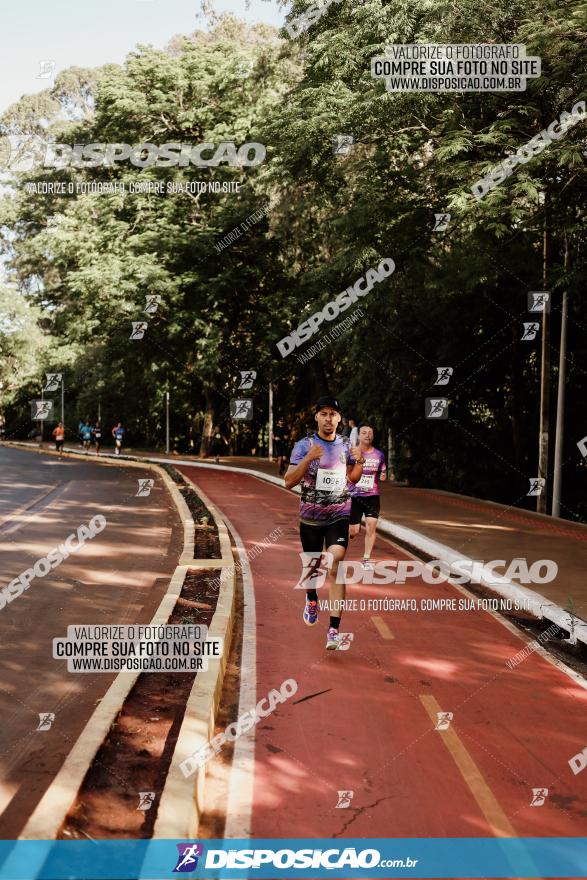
point(330, 480)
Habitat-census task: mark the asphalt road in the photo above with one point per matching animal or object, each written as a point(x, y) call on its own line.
point(118, 577)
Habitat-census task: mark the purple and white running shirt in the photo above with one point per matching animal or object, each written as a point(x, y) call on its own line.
point(325, 496)
point(372, 469)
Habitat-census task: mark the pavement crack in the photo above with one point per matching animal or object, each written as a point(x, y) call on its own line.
point(311, 696)
point(358, 811)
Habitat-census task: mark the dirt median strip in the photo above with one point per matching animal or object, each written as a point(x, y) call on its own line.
point(182, 800)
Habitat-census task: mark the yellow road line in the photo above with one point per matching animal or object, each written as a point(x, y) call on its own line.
point(382, 628)
point(498, 821)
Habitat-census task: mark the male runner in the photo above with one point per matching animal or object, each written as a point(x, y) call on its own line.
point(323, 463)
point(97, 435)
point(86, 436)
point(281, 438)
point(365, 493)
point(118, 434)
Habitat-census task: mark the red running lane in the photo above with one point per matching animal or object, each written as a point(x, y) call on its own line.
point(373, 731)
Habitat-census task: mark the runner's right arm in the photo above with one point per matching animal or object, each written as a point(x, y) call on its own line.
point(295, 472)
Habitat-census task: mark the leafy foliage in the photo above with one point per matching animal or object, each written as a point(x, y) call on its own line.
point(85, 263)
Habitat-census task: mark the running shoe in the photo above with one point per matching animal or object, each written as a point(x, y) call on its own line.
point(368, 565)
point(332, 639)
point(311, 613)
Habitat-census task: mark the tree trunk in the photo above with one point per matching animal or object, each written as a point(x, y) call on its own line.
point(542, 498)
point(319, 377)
point(517, 390)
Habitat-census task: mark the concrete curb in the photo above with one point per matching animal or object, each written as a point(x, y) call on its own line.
point(47, 818)
point(539, 605)
point(181, 801)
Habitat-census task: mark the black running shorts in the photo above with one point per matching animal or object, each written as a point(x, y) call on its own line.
point(317, 538)
point(364, 505)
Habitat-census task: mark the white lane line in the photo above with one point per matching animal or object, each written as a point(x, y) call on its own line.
point(239, 807)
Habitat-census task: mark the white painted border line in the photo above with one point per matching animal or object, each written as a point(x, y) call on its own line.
point(239, 810)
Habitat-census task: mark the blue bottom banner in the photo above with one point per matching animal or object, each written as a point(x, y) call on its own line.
point(352, 857)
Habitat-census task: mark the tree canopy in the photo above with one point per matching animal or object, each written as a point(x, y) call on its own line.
point(309, 222)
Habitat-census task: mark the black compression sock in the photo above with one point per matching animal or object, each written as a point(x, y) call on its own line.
point(335, 622)
point(311, 595)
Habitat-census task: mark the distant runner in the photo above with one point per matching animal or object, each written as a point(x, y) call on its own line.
point(365, 493)
point(323, 463)
point(118, 434)
point(281, 437)
point(59, 436)
point(217, 447)
point(97, 435)
point(86, 433)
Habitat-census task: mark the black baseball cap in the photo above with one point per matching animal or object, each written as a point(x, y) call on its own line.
point(332, 402)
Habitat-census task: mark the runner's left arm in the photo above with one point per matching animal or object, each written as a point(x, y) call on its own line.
point(383, 471)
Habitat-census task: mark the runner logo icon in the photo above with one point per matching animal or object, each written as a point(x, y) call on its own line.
point(344, 799)
point(537, 484)
point(344, 641)
point(444, 719)
point(146, 800)
point(444, 374)
point(53, 381)
point(531, 329)
point(247, 379)
point(46, 719)
point(343, 144)
point(436, 408)
point(41, 409)
point(152, 302)
point(315, 566)
point(187, 860)
point(138, 329)
point(539, 796)
point(539, 301)
point(241, 409)
point(441, 222)
point(46, 68)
